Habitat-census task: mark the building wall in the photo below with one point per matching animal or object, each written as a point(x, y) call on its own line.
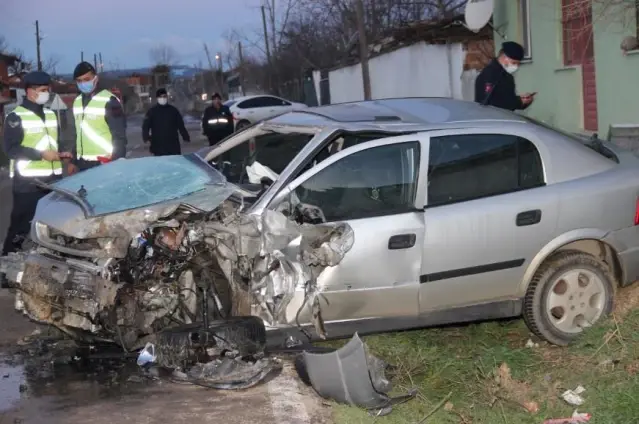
point(559, 101)
point(413, 71)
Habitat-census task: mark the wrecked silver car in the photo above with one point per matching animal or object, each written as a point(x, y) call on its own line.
point(362, 217)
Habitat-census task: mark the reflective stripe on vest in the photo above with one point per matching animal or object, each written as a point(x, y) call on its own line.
point(40, 135)
point(93, 134)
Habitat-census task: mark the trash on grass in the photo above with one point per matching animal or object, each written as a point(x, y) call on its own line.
point(572, 396)
point(577, 417)
point(531, 344)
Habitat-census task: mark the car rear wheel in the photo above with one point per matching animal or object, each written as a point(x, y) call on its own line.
point(242, 124)
point(569, 293)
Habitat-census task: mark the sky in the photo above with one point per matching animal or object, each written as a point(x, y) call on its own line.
point(124, 31)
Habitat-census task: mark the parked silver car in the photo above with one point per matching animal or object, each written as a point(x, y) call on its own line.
point(422, 212)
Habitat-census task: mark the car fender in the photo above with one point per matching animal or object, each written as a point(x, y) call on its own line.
point(555, 244)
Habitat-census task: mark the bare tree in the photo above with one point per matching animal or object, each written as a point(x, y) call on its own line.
point(163, 54)
point(50, 64)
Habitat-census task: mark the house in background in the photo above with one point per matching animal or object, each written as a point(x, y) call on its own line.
point(429, 59)
point(574, 60)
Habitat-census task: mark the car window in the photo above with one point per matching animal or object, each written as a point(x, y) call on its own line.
point(472, 166)
point(269, 101)
point(247, 104)
point(261, 101)
point(373, 182)
point(273, 150)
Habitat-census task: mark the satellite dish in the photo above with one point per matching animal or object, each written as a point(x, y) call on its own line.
point(478, 13)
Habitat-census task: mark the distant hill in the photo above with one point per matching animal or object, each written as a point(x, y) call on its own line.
point(176, 71)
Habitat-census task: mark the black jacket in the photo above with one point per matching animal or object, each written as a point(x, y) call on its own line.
point(116, 120)
point(161, 126)
point(215, 130)
point(498, 86)
point(13, 134)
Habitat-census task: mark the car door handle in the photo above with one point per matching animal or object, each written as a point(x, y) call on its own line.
point(402, 241)
point(528, 218)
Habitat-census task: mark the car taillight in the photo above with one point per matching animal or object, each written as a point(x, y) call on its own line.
point(236, 116)
point(637, 212)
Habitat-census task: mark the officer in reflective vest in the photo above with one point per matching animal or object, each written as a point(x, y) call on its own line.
point(30, 138)
point(100, 123)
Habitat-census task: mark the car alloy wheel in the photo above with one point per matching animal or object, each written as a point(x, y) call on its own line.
point(575, 300)
point(570, 292)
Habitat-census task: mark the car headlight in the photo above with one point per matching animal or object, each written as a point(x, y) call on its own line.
point(42, 231)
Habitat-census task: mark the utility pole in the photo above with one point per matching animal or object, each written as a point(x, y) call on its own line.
point(38, 39)
point(95, 62)
point(268, 50)
point(241, 57)
point(81, 56)
point(101, 63)
point(363, 48)
point(218, 60)
point(208, 56)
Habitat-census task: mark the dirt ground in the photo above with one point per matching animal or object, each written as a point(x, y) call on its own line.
point(78, 396)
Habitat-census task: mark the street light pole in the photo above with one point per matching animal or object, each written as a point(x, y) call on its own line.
point(218, 58)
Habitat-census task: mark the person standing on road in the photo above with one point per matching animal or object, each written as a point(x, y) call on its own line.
point(31, 143)
point(163, 121)
point(100, 123)
point(495, 84)
point(217, 121)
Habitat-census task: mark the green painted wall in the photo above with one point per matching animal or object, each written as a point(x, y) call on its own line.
point(559, 101)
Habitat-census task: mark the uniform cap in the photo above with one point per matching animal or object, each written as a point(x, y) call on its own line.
point(513, 50)
point(36, 78)
point(83, 68)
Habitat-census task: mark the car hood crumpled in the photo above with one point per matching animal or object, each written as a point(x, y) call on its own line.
point(271, 257)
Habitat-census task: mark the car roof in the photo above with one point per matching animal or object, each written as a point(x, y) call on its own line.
point(423, 112)
point(239, 99)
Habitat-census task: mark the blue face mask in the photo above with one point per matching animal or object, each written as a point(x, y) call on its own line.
point(87, 86)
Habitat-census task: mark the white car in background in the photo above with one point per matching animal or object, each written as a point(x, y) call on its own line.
point(251, 109)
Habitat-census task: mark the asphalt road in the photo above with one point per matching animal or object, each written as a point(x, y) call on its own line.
point(81, 396)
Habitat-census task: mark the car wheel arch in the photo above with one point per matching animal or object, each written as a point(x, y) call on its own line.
point(590, 241)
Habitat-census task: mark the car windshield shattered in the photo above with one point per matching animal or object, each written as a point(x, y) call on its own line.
point(135, 183)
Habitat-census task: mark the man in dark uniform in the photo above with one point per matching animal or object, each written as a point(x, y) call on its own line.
point(100, 123)
point(217, 121)
point(161, 126)
point(495, 85)
point(31, 142)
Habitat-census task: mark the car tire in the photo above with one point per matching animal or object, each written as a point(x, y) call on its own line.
point(241, 125)
point(581, 285)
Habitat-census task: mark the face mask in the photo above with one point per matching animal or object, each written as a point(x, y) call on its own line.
point(87, 86)
point(162, 101)
point(510, 68)
point(42, 98)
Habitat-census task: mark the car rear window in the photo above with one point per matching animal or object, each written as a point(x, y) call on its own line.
point(593, 143)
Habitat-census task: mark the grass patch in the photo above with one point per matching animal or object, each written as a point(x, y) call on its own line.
point(495, 378)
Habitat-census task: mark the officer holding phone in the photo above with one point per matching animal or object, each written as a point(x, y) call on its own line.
point(495, 85)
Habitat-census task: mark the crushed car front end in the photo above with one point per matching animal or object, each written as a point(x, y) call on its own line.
point(138, 246)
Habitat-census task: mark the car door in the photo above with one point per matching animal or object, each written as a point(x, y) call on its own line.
point(249, 110)
point(376, 187)
point(275, 105)
point(487, 214)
